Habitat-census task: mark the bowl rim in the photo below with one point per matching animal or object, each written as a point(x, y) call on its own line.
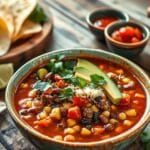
point(125, 23)
point(128, 134)
point(99, 9)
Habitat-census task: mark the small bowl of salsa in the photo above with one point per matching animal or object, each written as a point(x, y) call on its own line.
point(126, 38)
point(100, 18)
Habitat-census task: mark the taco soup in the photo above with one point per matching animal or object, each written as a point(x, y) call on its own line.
point(80, 100)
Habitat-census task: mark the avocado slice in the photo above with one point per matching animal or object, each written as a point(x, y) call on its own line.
point(85, 69)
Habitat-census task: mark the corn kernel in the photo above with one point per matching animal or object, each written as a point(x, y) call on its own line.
point(29, 104)
point(119, 71)
point(24, 85)
point(71, 122)
point(77, 128)
point(106, 113)
point(113, 121)
point(42, 73)
point(32, 93)
point(55, 113)
point(69, 138)
point(138, 95)
point(47, 109)
point(42, 115)
point(131, 113)
point(94, 108)
point(122, 116)
point(127, 123)
point(69, 131)
point(113, 108)
point(126, 80)
point(58, 137)
point(85, 132)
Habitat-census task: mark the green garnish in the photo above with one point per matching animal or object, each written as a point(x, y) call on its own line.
point(66, 94)
point(42, 86)
point(38, 15)
point(82, 82)
point(97, 80)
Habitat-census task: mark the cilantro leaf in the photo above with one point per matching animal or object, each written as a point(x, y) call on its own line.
point(42, 86)
point(66, 94)
point(97, 80)
point(38, 15)
point(70, 64)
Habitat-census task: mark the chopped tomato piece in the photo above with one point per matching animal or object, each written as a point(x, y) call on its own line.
point(43, 122)
point(57, 77)
point(79, 101)
point(61, 83)
point(125, 102)
point(48, 91)
point(74, 113)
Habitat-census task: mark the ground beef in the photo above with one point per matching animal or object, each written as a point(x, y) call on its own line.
point(87, 113)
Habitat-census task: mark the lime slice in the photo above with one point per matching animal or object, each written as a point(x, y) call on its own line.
point(6, 71)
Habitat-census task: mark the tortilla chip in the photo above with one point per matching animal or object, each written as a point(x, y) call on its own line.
point(21, 9)
point(28, 29)
point(5, 40)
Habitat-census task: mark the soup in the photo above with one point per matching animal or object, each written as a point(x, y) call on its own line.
point(80, 100)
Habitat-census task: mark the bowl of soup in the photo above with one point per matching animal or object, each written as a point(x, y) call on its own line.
point(79, 99)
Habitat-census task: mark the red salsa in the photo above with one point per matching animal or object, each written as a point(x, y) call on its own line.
point(57, 103)
point(104, 21)
point(127, 34)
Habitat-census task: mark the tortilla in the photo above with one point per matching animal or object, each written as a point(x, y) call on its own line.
point(5, 40)
point(21, 9)
point(28, 29)
point(6, 15)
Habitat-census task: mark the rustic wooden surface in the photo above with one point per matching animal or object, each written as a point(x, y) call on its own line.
point(70, 30)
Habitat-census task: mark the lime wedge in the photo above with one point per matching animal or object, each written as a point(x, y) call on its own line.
point(6, 71)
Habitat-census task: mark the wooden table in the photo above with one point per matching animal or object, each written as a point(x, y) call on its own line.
point(70, 31)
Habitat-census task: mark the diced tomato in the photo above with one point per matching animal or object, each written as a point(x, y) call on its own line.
point(116, 36)
point(134, 40)
point(74, 113)
point(43, 123)
point(57, 77)
point(127, 33)
point(61, 83)
point(125, 102)
point(79, 101)
point(138, 33)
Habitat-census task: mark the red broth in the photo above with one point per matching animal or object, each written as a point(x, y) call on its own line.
point(104, 21)
point(122, 116)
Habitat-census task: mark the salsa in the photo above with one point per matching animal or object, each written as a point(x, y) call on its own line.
point(61, 102)
point(104, 21)
point(128, 34)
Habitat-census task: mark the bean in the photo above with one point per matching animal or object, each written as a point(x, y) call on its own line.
point(104, 119)
point(113, 121)
point(69, 131)
point(109, 127)
point(96, 117)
